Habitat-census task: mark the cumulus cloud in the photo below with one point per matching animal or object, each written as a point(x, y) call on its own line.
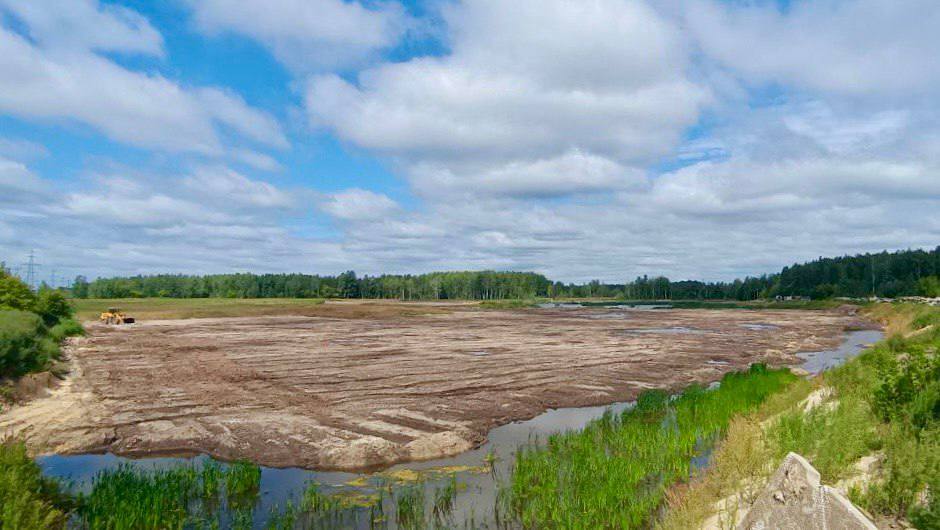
point(60, 77)
point(359, 205)
point(568, 173)
point(583, 140)
point(527, 84)
point(210, 219)
point(308, 34)
point(86, 24)
point(871, 47)
point(16, 180)
point(223, 184)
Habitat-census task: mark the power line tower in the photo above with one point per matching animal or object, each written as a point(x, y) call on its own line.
point(31, 268)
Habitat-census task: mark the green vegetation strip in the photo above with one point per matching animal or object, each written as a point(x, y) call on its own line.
point(883, 404)
point(616, 471)
point(32, 325)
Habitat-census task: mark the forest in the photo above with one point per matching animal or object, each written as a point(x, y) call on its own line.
point(885, 274)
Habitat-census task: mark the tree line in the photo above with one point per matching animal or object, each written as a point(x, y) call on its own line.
point(481, 285)
point(885, 274)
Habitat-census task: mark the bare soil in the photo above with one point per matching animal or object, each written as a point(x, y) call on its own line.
point(365, 387)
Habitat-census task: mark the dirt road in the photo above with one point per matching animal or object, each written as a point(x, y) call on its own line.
point(374, 389)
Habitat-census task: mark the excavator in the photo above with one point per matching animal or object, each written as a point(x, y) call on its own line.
point(115, 316)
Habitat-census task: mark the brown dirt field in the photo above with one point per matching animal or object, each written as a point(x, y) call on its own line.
point(376, 387)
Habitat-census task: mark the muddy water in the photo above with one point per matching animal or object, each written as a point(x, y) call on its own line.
point(479, 480)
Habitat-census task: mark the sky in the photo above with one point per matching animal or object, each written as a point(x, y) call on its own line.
point(582, 139)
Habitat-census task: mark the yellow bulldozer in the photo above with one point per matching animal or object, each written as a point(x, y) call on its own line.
point(115, 316)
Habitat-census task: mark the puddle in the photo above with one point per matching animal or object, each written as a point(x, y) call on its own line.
point(759, 327)
point(673, 330)
point(477, 494)
point(715, 362)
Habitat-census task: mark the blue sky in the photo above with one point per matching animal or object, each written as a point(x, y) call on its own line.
point(602, 139)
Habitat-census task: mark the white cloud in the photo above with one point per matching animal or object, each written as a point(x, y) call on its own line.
point(230, 109)
point(256, 160)
point(308, 34)
point(864, 47)
point(550, 135)
point(359, 205)
point(21, 149)
point(86, 24)
point(225, 185)
point(17, 181)
point(566, 174)
point(68, 81)
point(543, 81)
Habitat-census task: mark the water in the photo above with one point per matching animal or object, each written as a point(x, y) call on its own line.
point(855, 342)
point(760, 327)
point(475, 502)
point(674, 330)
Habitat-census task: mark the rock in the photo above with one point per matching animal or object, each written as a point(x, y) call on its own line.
point(794, 499)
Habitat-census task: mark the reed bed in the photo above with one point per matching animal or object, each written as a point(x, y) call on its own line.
point(615, 472)
point(187, 496)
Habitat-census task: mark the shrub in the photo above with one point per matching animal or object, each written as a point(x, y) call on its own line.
point(912, 466)
point(52, 307)
point(904, 379)
point(65, 328)
point(22, 345)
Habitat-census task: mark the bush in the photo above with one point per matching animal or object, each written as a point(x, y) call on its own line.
point(52, 307)
point(905, 379)
point(65, 328)
point(23, 345)
point(14, 294)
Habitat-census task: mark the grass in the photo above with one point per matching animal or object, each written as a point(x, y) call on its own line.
point(27, 500)
point(616, 471)
point(885, 402)
point(509, 304)
point(187, 496)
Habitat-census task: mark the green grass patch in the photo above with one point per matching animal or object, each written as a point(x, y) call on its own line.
point(508, 304)
point(27, 500)
point(188, 496)
point(616, 471)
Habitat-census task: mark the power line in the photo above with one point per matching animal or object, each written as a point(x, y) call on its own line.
point(31, 268)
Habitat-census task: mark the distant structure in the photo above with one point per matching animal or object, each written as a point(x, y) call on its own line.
point(31, 269)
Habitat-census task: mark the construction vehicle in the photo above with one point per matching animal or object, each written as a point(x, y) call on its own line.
point(115, 316)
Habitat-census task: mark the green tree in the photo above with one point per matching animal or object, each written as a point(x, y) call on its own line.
point(80, 287)
point(929, 286)
point(14, 294)
point(348, 286)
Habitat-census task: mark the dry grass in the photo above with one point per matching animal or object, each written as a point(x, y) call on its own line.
point(897, 318)
point(738, 470)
